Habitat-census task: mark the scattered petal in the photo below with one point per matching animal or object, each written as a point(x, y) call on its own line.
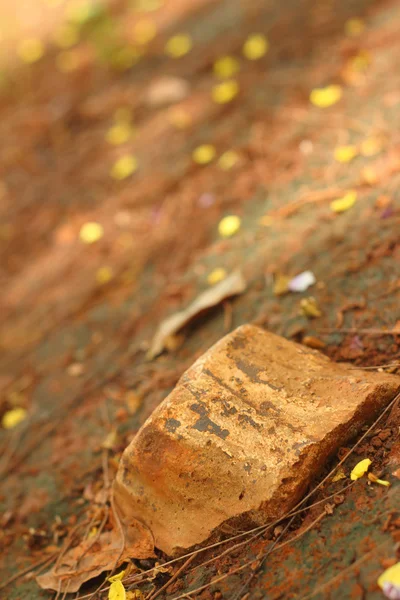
point(124, 167)
point(31, 50)
point(204, 154)
point(227, 160)
point(345, 154)
point(225, 92)
point(375, 479)
point(327, 96)
point(117, 591)
point(178, 45)
point(281, 284)
point(91, 232)
point(119, 134)
point(256, 46)
point(353, 27)
point(144, 31)
point(229, 225)
point(371, 146)
point(342, 204)
point(339, 475)
point(216, 276)
point(360, 469)
point(104, 275)
point(389, 582)
point(231, 286)
point(309, 308)
point(302, 282)
point(117, 577)
point(13, 417)
point(226, 67)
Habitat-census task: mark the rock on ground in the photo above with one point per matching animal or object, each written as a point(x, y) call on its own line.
point(242, 435)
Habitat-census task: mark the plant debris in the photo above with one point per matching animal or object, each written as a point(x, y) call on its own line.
point(230, 286)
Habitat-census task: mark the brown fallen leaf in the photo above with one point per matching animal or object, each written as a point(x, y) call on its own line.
point(232, 285)
point(89, 559)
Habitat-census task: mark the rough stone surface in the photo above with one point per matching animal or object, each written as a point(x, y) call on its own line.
point(246, 429)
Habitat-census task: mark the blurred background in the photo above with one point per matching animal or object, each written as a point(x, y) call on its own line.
point(151, 148)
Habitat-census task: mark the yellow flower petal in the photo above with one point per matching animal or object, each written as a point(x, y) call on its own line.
point(216, 276)
point(204, 154)
point(281, 284)
point(369, 175)
point(119, 134)
point(178, 45)
point(339, 475)
point(360, 469)
point(91, 232)
point(226, 67)
point(309, 308)
point(31, 50)
point(225, 92)
point(326, 96)
point(13, 417)
point(354, 27)
point(117, 577)
point(345, 154)
point(371, 146)
point(124, 167)
point(256, 46)
point(104, 275)
point(390, 576)
point(117, 591)
point(344, 203)
point(144, 31)
point(227, 160)
point(229, 225)
point(375, 479)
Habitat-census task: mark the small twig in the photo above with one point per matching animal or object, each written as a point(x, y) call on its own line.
point(173, 578)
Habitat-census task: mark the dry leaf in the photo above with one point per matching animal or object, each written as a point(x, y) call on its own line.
point(88, 559)
point(232, 285)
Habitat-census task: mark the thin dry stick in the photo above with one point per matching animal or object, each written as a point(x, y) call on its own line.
point(40, 563)
point(291, 514)
point(173, 578)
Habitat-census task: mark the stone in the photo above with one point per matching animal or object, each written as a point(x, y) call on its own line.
point(241, 437)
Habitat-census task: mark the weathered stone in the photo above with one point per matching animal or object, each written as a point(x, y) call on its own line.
point(247, 428)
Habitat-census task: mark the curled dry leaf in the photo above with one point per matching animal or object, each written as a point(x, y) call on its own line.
point(91, 558)
point(232, 285)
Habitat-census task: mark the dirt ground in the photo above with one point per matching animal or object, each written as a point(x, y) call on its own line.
point(78, 318)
